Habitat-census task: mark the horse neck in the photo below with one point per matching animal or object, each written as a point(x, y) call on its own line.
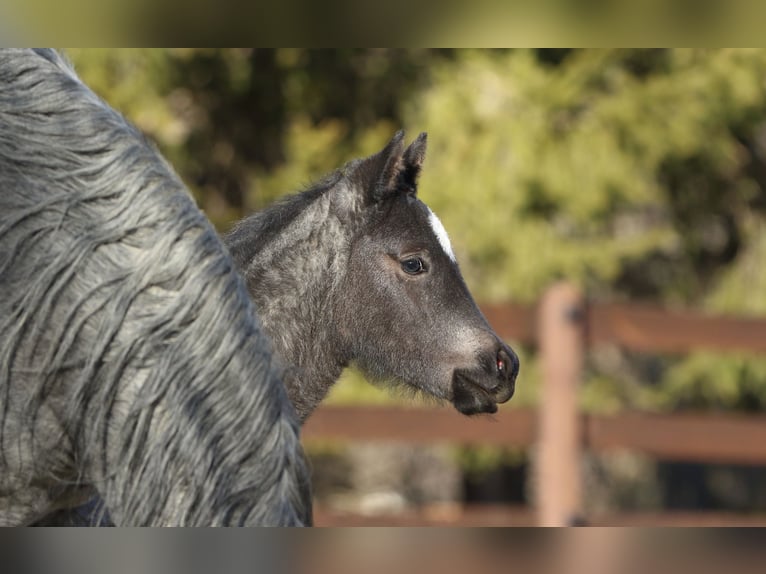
point(292, 277)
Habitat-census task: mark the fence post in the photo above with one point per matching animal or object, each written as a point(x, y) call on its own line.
point(561, 342)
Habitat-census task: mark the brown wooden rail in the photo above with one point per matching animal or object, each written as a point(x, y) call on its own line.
point(421, 425)
point(501, 515)
point(652, 329)
point(641, 327)
point(713, 438)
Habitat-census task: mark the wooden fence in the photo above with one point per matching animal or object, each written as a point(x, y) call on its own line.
point(564, 326)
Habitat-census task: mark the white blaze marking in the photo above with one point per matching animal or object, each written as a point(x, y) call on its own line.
point(441, 234)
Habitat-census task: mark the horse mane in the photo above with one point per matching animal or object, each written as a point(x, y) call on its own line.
point(131, 357)
point(251, 234)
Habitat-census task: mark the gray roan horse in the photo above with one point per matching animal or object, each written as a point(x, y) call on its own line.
point(132, 364)
point(358, 269)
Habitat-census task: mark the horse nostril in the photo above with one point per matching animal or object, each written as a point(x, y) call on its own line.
point(501, 365)
point(507, 364)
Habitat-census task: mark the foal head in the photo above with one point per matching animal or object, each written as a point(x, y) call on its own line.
point(403, 311)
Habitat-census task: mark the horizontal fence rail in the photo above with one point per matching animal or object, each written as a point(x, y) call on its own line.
point(499, 515)
point(711, 438)
point(420, 425)
point(652, 329)
point(640, 327)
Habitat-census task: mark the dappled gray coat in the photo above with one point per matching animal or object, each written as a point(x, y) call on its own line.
point(131, 361)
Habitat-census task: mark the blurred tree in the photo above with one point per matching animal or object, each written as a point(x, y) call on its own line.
point(222, 116)
point(622, 169)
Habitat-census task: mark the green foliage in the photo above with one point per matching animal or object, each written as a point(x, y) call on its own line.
point(705, 381)
point(478, 460)
point(545, 172)
point(311, 152)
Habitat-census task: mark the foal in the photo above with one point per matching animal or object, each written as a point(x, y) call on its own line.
point(358, 269)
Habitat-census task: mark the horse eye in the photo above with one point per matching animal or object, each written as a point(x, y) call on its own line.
point(413, 266)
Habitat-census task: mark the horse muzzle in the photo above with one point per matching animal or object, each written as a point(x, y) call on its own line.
point(481, 389)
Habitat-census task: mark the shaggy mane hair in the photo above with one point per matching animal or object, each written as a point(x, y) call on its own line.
point(132, 363)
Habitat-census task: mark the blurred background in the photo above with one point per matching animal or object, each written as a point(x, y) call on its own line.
point(637, 177)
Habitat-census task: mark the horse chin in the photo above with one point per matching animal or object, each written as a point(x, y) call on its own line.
point(470, 397)
point(474, 404)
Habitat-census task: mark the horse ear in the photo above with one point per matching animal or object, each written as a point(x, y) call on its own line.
point(378, 175)
point(389, 166)
point(414, 156)
point(392, 170)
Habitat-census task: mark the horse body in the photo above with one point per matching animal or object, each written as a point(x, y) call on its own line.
point(358, 269)
point(132, 363)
